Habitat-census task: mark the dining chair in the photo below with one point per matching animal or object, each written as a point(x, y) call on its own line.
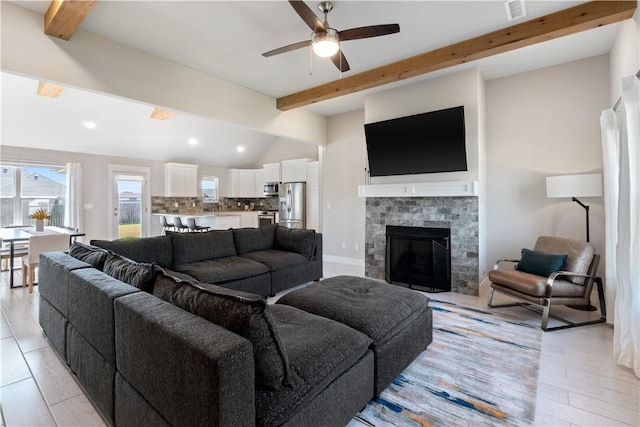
point(38, 244)
point(19, 248)
point(166, 226)
point(193, 227)
point(178, 225)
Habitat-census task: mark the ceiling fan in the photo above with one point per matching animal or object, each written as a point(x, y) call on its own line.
point(325, 41)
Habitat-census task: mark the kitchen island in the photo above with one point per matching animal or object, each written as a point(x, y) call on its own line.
point(218, 220)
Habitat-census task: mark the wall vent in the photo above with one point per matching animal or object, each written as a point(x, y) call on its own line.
point(515, 9)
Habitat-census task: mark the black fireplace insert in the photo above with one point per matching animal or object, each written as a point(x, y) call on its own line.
point(419, 258)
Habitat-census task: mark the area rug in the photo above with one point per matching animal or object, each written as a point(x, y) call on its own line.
point(480, 370)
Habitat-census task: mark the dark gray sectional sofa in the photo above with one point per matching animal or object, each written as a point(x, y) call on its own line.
point(156, 347)
point(262, 261)
point(197, 354)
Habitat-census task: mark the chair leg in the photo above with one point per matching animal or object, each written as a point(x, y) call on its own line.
point(490, 297)
point(24, 275)
point(545, 316)
point(32, 276)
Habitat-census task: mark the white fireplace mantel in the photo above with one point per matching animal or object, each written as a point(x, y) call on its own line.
point(420, 189)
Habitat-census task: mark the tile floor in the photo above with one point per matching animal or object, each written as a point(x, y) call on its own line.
point(580, 384)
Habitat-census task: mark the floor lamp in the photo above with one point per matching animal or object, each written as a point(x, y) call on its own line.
point(574, 186)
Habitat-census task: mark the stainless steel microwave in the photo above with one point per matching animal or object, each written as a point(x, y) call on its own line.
point(271, 188)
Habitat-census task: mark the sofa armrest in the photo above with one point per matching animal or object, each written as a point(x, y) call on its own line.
point(190, 370)
point(317, 253)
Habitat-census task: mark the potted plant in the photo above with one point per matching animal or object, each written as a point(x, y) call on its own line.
point(40, 215)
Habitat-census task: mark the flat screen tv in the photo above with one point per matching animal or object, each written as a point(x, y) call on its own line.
point(423, 143)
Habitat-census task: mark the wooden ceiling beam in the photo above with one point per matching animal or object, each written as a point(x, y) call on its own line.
point(579, 18)
point(64, 17)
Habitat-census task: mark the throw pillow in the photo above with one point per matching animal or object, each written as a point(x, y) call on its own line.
point(139, 274)
point(294, 240)
point(243, 313)
point(90, 254)
point(253, 239)
point(540, 263)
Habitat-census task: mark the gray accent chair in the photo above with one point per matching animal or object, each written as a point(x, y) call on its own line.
point(571, 284)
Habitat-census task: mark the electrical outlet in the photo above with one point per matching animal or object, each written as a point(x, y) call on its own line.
point(356, 247)
point(344, 245)
point(175, 205)
point(328, 206)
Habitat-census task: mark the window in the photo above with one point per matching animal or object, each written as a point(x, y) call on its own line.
point(23, 189)
point(209, 185)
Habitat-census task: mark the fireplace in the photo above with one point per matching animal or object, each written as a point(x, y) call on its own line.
point(459, 214)
point(418, 257)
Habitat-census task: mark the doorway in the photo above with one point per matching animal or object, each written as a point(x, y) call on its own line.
point(129, 202)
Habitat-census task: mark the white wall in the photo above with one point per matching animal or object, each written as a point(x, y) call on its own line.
point(343, 169)
point(543, 123)
point(98, 64)
point(345, 159)
point(539, 123)
point(625, 54)
point(431, 95)
point(286, 149)
point(95, 182)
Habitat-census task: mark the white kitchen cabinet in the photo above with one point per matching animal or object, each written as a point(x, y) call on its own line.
point(249, 219)
point(271, 172)
point(225, 222)
point(180, 180)
point(259, 184)
point(242, 183)
point(294, 170)
point(313, 196)
point(247, 183)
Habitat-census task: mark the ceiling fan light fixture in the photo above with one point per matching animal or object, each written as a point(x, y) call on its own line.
point(326, 44)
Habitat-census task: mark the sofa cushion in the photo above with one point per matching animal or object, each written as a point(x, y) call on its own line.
point(276, 259)
point(293, 240)
point(540, 263)
point(245, 314)
point(139, 274)
point(88, 253)
point(319, 351)
point(194, 247)
point(222, 270)
point(253, 239)
point(141, 249)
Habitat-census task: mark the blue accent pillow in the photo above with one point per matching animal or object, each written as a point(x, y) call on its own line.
point(540, 263)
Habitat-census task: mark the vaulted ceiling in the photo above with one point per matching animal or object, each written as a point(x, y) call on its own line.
point(226, 39)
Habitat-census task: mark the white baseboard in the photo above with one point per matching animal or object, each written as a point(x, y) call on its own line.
point(343, 260)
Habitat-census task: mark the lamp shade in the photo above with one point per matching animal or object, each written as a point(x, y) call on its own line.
point(585, 185)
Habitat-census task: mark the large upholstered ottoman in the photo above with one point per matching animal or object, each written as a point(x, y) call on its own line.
point(398, 320)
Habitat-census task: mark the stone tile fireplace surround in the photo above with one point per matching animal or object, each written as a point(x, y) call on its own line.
point(460, 214)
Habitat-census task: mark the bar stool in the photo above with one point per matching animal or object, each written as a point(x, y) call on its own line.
point(193, 227)
point(178, 225)
point(166, 226)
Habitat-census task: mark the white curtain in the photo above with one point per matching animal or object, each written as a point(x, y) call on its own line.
point(621, 155)
point(73, 209)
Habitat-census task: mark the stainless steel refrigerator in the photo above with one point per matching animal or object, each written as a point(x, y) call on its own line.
point(293, 205)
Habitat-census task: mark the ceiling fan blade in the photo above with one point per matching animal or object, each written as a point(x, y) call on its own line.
point(370, 31)
point(287, 48)
point(340, 61)
point(307, 15)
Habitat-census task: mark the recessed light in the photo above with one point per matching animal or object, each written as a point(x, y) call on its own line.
point(240, 149)
point(192, 141)
point(90, 125)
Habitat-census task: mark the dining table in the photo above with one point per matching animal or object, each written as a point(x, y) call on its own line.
point(22, 234)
